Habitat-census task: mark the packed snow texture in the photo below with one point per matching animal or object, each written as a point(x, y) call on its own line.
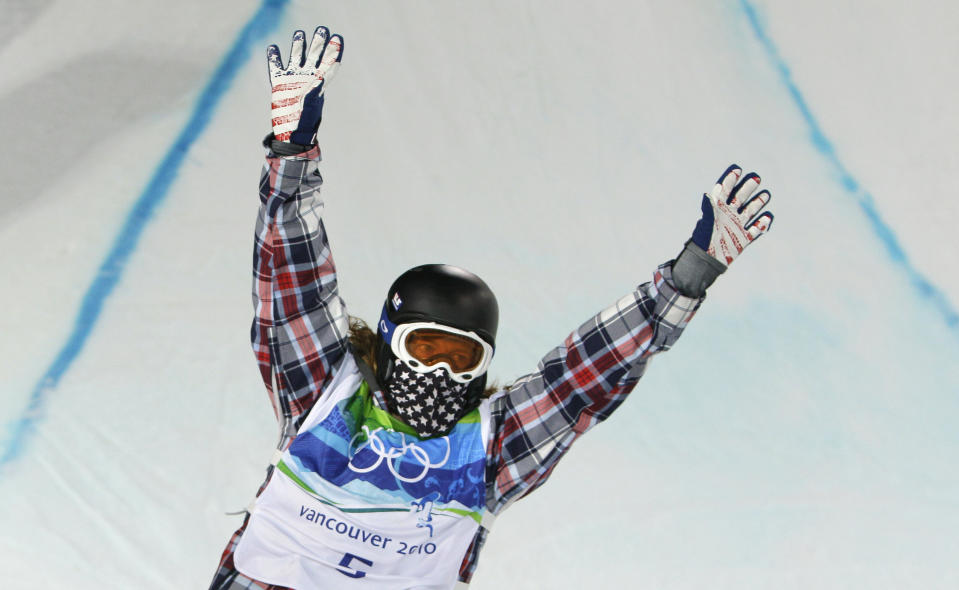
point(802, 434)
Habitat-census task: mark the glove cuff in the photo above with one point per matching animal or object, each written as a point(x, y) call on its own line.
point(694, 270)
point(284, 148)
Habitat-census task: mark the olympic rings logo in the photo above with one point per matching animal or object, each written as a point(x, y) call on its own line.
point(405, 450)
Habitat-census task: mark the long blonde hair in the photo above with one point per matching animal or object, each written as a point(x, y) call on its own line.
point(363, 341)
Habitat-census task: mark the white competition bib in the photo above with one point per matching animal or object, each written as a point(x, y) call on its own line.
point(358, 500)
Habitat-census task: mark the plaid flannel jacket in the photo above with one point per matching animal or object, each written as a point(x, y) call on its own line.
point(300, 333)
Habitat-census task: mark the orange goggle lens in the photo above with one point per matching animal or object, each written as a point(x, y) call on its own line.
point(435, 346)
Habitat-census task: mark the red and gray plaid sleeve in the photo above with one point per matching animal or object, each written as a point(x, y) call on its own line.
point(579, 384)
point(300, 329)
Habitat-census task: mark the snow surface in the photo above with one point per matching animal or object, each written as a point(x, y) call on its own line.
point(801, 434)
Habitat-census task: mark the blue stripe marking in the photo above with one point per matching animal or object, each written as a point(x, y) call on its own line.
point(263, 21)
point(883, 231)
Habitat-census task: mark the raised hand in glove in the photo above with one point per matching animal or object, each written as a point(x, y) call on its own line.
point(298, 88)
point(733, 217)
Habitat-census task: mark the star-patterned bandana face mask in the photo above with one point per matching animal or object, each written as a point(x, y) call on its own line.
point(430, 403)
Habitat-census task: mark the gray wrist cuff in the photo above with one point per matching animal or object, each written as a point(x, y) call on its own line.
point(284, 148)
point(694, 271)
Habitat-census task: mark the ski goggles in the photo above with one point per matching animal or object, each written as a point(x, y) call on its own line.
point(428, 346)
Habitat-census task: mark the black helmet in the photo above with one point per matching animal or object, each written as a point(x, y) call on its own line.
point(440, 293)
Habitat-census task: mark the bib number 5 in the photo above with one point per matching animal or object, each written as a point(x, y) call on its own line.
point(347, 570)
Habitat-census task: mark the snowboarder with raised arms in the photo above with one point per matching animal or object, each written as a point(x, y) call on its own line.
point(393, 459)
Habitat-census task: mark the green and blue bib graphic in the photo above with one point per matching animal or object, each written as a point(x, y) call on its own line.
point(359, 458)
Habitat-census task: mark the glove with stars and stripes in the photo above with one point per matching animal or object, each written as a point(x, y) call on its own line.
point(298, 88)
point(733, 217)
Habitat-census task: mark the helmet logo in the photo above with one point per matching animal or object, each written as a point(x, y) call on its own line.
point(397, 302)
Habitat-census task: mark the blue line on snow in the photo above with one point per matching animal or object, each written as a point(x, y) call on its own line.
point(848, 182)
point(264, 20)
